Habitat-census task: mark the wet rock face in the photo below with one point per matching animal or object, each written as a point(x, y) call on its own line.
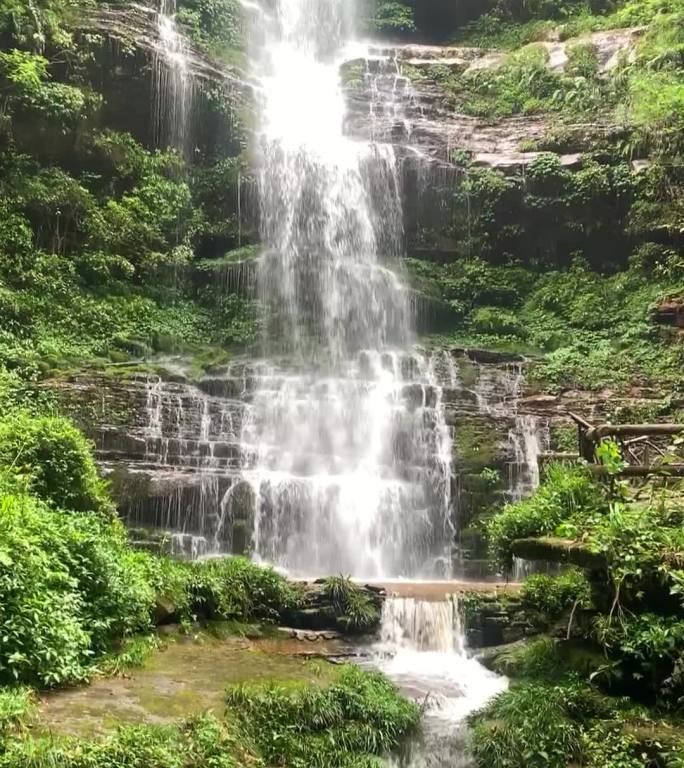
point(176, 451)
point(173, 454)
point(317, 613)
point(393, 95)
point(492, 620)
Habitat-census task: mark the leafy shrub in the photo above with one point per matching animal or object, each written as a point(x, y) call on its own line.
point(648, 648)
point(16, 704)
point(528, 725)
point(639, 541)
point(235, 588)
point(582, 60)
point(69, 584)
point(606, 745)
point(552, 595)
point(215, 25)
point(349, 724)
point(44, 640)
point(565, 490)
point(57, 460)
point(537, 658)
point(539, 725)
point(390, 16)
point(203, 740)
point(27, 78)
point(497, 322)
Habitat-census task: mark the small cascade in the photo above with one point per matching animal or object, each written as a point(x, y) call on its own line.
point(498, 392)
point(420, 625)
point(422, 648)
point(176, 470)
point(528, 439)
point(172, 81)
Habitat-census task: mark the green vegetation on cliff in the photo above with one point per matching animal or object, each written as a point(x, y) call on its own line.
point(103, 226)
point(606, 689)
point(568, 250)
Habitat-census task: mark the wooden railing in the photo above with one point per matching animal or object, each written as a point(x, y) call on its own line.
point(642, 446)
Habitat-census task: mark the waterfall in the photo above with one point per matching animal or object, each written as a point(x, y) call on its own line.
point(191, 447)
point(350, 454)
point(408, 623)
point(172, 81)
point(498, 393)
point(422, 648)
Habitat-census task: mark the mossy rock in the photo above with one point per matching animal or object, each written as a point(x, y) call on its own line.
point(477, 445)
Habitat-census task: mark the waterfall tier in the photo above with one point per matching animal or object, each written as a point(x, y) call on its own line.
point(192, 469)
point(422, 648)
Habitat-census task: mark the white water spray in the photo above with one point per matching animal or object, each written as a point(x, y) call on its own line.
point(173, 82)
point(422, 648)
point(350, 454)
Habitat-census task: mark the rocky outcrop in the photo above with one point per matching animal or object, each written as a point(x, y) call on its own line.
point(670, 311)
point(175, 450)
point(555, 550)
point(493, 619)
point(397, 94)
point(175, 453)
point(317, 611)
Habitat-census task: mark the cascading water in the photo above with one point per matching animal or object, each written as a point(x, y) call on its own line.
point(498, 394)
point(422, 648)
point(349, 465)
point(173, 82)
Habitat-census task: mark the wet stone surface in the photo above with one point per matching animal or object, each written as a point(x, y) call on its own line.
point(187, 677)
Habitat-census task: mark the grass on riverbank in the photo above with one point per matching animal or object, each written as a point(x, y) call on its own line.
point(348, 723)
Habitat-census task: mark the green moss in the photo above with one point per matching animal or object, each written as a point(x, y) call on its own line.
point(477, 445)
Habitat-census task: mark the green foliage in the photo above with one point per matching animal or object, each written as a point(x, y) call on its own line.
point(359, 716)
point(640, 541)
point(532, 725)
point(496, 321)
point(565, 491)
point(133, 652)
point(490, 477)
point(204, 741)
point(67, 583)
point(649, 649)
point(214, 25)
point(70, 585)
point(26, 81)
point(608, 746)
point(349, 724)
point(235, 588)
point(582, 60)
point(352, 606)
point(56, 459)
point(16, 705)
point(491, 31)
point(537, 658)
point(567, 722)
point(392, 17)
point(552, 595)
point(596, 330)
point(99, 234)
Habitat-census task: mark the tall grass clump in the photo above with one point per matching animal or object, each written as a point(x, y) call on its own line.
point(349, 724)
